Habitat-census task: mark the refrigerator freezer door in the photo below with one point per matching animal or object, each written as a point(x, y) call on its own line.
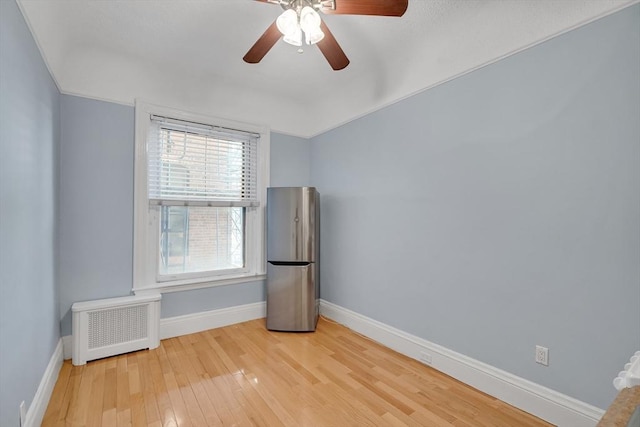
point(292, 297)
point(291, 224)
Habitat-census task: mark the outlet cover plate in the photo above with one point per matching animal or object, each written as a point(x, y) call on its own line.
point(425, 357)
point(542, 355)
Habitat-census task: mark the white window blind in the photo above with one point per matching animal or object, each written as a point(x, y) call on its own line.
point(193, 164)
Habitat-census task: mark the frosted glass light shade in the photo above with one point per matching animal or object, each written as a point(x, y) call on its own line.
point(314, 36)
point(294, 38)
point(309, 19)
point(287, 23)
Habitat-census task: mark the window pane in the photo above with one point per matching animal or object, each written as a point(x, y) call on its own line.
point(199, 239)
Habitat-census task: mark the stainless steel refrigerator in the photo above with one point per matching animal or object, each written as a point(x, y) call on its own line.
point(293, 250)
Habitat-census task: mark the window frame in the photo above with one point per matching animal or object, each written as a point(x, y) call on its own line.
point(146, 218)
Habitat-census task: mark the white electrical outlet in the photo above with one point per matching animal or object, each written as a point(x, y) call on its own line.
point(542, 355)
point(425, 357)
point(23, 414)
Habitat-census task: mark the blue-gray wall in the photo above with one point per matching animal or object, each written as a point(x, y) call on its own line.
point(29, 134)
point(96, 202)
point(489, 214)
point(96, 209)
point(290, 161)
point(501, 210)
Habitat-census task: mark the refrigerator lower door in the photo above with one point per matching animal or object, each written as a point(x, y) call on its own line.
point(292, 297)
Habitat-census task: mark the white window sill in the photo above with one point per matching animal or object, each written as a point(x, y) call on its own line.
point(169, 287)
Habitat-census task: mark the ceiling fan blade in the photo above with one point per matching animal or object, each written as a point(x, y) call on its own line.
point(368, 7)
point(331, 49)
point(263, 45)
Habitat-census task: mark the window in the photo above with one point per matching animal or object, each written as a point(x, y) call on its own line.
point(199, 200)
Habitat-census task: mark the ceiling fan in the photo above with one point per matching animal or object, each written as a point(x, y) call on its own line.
point(300, 18)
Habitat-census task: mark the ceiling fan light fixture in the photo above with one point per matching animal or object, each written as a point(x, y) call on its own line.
point(294, 38)
point(314, 36)
point(309, 19)
point(287, 23)
point(310, 23)
point(301, 15)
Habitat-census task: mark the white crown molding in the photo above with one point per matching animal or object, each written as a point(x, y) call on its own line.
point(40, 401)
point(36, 40)
point(87, 69)
point(312, 133)
point(554, 407)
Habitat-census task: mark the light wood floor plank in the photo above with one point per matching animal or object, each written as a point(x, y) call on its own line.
point(244, 375)
point(195, 373)
point(94, 411)
point(57, 396)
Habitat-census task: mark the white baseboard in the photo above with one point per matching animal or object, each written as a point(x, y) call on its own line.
point(554, 407)
point(40, 401)
point(197, 322)
point(67, 347)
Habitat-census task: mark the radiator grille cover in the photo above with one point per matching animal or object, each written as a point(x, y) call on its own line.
point(108, 327)
point(117, 325)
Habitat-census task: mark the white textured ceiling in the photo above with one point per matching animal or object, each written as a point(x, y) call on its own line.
point(188, 54)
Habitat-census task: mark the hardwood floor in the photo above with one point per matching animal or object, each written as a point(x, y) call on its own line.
point(244, 375)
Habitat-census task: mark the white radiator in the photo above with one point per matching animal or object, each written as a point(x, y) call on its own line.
point(113, 326)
